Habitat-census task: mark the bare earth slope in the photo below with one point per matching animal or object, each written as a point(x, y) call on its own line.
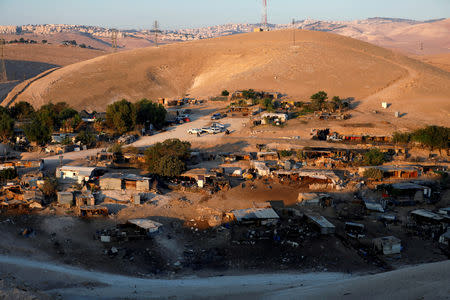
point(268, 61)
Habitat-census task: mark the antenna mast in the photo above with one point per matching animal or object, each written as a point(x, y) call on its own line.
point(156, 30)
point(3, 76)
point(264, 15)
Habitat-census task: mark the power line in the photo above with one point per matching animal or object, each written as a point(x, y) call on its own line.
point(293, 31)
point(264, 15)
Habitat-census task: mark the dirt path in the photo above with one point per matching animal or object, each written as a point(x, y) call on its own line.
point(429, 281)
point(18, 90)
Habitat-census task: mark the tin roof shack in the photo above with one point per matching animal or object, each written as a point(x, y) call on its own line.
point(407, 193)
point(387, 245)
point(327, 179)
point(444, 242)
point(269, 155)
point(261, 168)
point(65, 199)
point(426, 223)
point(201, 176)
point(258, 216)
point(103, 159)
point(149, 226)
point(84, 199)
point(111, 181)
point(314, 199)
point(373, 206)
point(395, 171)
point(355, 230)
point(93, 211)
point(75, 174)
point(325, 226)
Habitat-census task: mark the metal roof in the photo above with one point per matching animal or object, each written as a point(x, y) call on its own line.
point(146, 224)
point(427, 214)
point(254, 213)
point(320, 220)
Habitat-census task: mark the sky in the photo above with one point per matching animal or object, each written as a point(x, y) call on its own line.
point(173, 14)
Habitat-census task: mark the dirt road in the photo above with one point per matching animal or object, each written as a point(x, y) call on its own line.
point(430, 281)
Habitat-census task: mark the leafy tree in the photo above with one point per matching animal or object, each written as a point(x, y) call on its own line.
point(267, 103)
point(116, 149)
point(249, 94)
point(22, 110)
point(149, 112)
point(225, 93)
point(174, 152)
point(50, 187)
point(434, 137)
point(8, 174)
point(374, 157)
point(48, 114)
point(318, 99)
point(121, 115)
point(170, 166)
point(38, 131)
point(373, 173)
point(401, 138)
point(67, 113)
point(6, 126)
point(85, 137)
point(285, 153)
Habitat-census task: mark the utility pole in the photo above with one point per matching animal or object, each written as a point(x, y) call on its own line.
point(293, 31)
point(114, 34)
point(156, 30)
point(3, 76)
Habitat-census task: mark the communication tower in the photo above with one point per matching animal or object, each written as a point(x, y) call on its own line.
point(114, 34)
point(293, 32)
point(156, 30)
point(3, 77)
point(264, 15)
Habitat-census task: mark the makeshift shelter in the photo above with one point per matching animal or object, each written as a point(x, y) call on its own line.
point(75, 174)
point(387, 245)
point(325, 226)
point(150, 226)
point(262, 216)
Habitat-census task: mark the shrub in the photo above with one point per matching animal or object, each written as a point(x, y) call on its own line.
point(285, 153)
point(401, 138)
point(225, 93)
point(434, 137)
point(374, 157)
point(163, 156)
point(8, 174)
point(373, 173)
point(50, 187)
point(6, 126)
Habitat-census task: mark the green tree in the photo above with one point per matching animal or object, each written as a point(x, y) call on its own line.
point(67, 113)
point(50, 187)
point(6, 126)
point(373, 173)
point(401, 138)
point(148, 112)
point(170, 166)
point(434, 137)
point(374, 157)
point(8, 174)
point(318, 99)
point(267, 104)
point(38, 131)
point(337, 102)
point(225, 93)
point(121, 115)
point(85, 137)
point(249, 94)
point(172, 148)
point(22, 110)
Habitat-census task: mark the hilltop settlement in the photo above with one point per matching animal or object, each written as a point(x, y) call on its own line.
point(243, 181)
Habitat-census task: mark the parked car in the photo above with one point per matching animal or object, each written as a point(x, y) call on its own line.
point(195, 130)
point(213, 130)
point(216, 116)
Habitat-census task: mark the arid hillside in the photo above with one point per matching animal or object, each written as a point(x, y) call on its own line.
point(25, 61)
point(264, 61)
point(439, 60)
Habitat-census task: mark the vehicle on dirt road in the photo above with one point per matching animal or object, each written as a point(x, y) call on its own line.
point(195, 131)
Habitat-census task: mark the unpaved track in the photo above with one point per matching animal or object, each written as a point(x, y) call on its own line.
point(429, 281)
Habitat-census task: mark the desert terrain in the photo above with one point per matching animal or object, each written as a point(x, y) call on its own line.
point(319, 61)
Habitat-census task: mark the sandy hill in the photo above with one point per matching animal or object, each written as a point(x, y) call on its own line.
point(265, 61)
point(25, 61)
point(439, 60)
point(408, 36)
